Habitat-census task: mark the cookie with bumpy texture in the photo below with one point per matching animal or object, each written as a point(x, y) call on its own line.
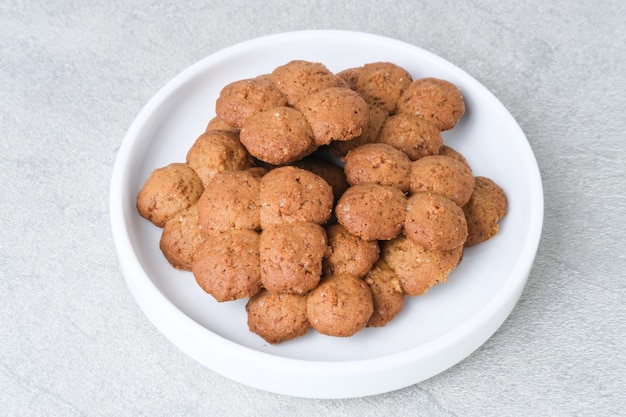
point(217, 151)
point(216, 123)
point(444, 175)
point(348, 253)
point(242, 98)
point(377, 117)
point(333, 174)
point(378, 163)
point(372, 211)
point(415, 136)
point(387, 294)
point(484, 210)
point(435, 221)
point(340, 306)
point(298, 79)
point(278, 136)
point(453, 153)
point(277, 317)
point(226, 265)
point(438, 101)
point(380, 83)
point(181, 238)
point(231, 200)
point(291, 257)
point(418, 267)
point(289, 194)
point(167, 191)
point(334, 114)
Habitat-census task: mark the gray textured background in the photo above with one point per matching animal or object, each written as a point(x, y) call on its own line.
point(73, 76)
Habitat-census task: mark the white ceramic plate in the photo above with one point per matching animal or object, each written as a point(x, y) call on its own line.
point(432, 333)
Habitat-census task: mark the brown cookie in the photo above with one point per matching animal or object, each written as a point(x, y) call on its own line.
point(380, 83)
point(291, 257)
point(217, 151)
point(415, 136)
point(257, 171)
point(349, 253)
point(435, 221)
point(217, 123)
point(226, 265)
point(438, 101)
point(181, 238)
point(372, 211)
point(331, 173)
point(377, 117)
point(453, 153)
point(340, 306)
point(418, 267)
point(167, 191)
point(277, 317)
point(243, 98)
point(387, 294)
point(334, 114)
point(290, 194)
point(378, 163)
point(278, 136)
point(231, 200)
point(349, 76)
point(298, 79)
point(444, 175)
point(485, 208)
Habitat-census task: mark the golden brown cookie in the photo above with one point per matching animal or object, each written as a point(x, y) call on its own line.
point(349, 76)
point(217, 123)
point(331, 173)
point(438, 101)
point(387, 294)
point(334, 114)
point(380, 83)
point(435, 221)
point(378, 163)
point(453, 153)
point(349, 254)
point(278, 136)
point(444, 175)
point(291, 257)
point(418, 267)
point(415, 136)
point(485, 208)
point(340, 306)
point(181, 238)
point(217, 151)
point(372, 211)
point(231, 200)
point(167, 191)
point(277, 317)
point(258, 171)
point(290, 194)
point(243, 98)
point(299, 78)
point(377, 117)
point(226, 265)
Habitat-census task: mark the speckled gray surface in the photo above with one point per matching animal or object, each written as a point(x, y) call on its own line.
point(73, 75)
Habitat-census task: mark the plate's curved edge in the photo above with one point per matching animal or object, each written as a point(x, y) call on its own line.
point(145, 292)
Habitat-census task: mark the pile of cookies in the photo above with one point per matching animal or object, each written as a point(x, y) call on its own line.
point(259, 212)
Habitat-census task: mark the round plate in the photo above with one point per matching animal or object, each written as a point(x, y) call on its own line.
point(431, 334)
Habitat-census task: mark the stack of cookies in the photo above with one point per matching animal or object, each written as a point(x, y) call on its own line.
point(259, 210)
